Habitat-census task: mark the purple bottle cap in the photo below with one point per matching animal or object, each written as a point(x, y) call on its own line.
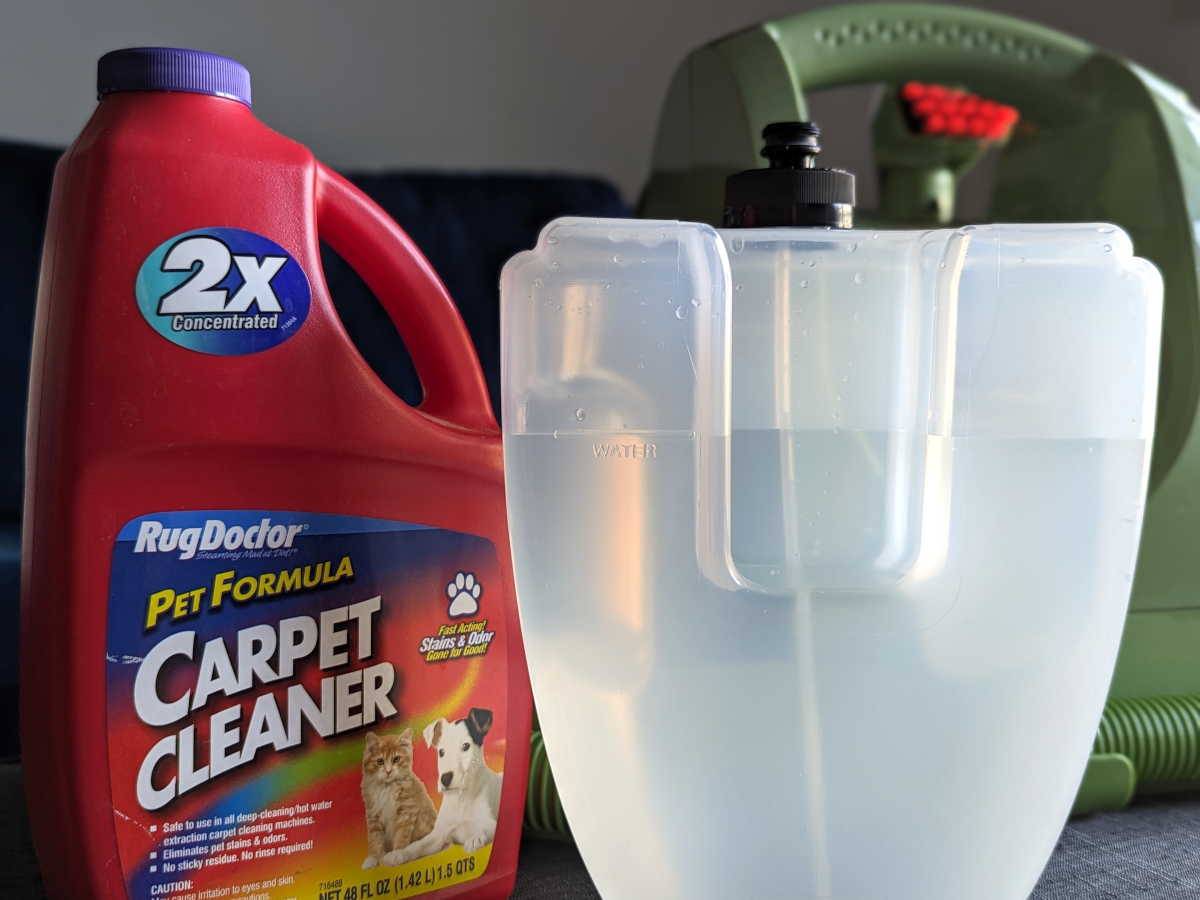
point(168, 69)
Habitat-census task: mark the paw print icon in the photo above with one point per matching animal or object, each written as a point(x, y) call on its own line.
point(464, 593)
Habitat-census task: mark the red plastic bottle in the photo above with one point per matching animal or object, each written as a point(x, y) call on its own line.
point(269, 640)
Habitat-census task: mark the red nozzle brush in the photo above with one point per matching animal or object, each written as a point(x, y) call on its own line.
point(941, 111)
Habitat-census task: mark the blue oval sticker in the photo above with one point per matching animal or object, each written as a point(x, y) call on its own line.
point(223, 291)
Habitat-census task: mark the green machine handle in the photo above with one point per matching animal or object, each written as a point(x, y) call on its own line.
point(725, 93)
point(1100, 139)
point(918, 173)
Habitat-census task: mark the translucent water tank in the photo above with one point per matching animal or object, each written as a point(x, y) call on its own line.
point(823, 544)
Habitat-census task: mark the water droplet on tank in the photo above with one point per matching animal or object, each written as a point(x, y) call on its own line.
point(836, 430)
point(736, 245)
point(856, 317)
point(617, 259)
point(551, 240)
point(739, 287)
point(696, 302)
point(681, 312)
point(859, 277)
point(804, 332)
point(537, 282)
point(1091, 449)
point(839, 396)
point(671, 300)
point(850, 248)
point(1108, 248)
point(580, 414)
point(811, 263)
point(774, 571)
point(803, 282)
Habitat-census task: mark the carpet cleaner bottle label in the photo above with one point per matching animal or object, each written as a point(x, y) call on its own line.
point(299, 705)
point(224, 291)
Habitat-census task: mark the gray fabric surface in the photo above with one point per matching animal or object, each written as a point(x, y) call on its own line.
point(19, 875)
point(551, 870)
point(1150, 851)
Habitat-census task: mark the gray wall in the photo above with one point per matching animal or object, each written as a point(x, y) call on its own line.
point(541, 85)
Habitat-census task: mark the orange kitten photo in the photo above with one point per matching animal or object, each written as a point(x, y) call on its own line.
point(399, 810)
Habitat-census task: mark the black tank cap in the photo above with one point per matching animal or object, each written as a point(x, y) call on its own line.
point(792, 192)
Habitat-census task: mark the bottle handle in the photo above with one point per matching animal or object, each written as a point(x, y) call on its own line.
point(413, 296)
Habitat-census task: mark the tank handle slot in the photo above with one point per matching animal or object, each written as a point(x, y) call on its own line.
point(712, 415)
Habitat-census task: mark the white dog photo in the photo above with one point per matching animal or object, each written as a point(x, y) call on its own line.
point(470, 790)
